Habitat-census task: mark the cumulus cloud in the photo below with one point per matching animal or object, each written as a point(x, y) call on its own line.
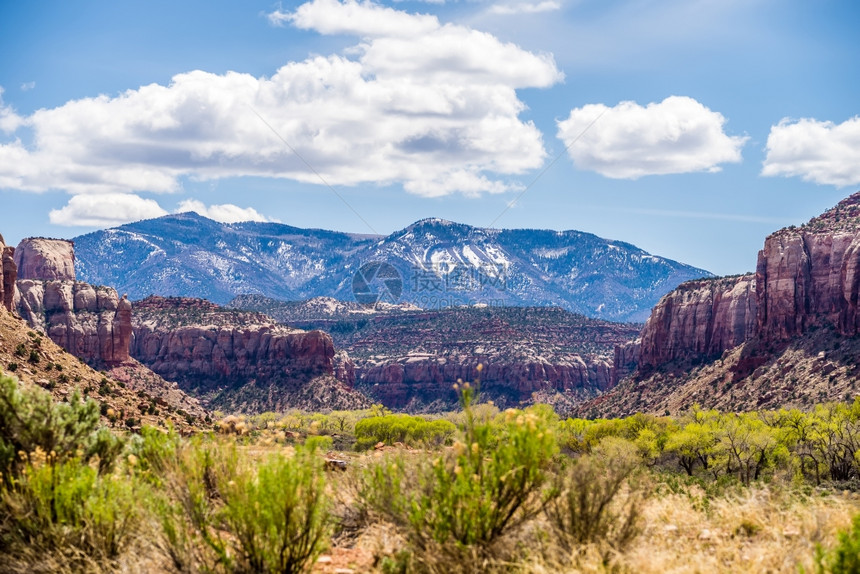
point(821, 152)
point(677, 135)
point(9, 120)
point(105, 210)
point(525, 7)
point(225, 213)
point(415, 102)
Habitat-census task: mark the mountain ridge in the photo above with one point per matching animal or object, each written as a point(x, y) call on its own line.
point(440, 263)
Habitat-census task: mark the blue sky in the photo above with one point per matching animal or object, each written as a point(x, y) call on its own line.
point(689, 128)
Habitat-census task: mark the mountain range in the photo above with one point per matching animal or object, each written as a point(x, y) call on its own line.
point(432, 263)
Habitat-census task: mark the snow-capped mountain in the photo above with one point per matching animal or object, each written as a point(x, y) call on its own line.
point(433, 263)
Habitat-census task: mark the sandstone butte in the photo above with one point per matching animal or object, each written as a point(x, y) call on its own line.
point(806, 277)
point(806, 283)
point(90, 322)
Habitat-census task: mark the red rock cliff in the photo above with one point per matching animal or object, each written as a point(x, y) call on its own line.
point(805, 277)
point(699, 319)
point(92, 323)
point(204, 346)
point(46, 259)
point(8, 275)
point(811, 275)
point(396, 383)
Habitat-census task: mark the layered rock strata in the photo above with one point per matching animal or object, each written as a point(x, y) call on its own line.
point(90, 322)
point(806, 289)
point(699, 319)
point(208, 348)
point(8, 275)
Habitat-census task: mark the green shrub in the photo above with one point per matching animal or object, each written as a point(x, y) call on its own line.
point(465, 500)
point(66, 511)
point(221, 513)
point(278, 514)
point(31, 421)
point(403, 428)
point(845, 558)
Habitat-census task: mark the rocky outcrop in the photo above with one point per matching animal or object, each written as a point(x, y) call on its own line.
point(700, 319)
point(786, 336)
point(45, 259)
point(246, 359)
point(90, 322)
point(415, 381)
point(410, 359)
point(8, 275)
point(810, 276)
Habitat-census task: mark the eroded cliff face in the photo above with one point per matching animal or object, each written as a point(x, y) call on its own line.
point(810, 276)
point(92, 323)
point(8, 275)
point(244, 359)
point(416, 382)
point(755, 341)
point(45, 259)
point(700, 319)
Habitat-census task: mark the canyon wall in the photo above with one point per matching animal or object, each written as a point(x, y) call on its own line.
point(204, 346)
point(90, 322)
point(8, 275)
point(806, 277)
point(810, 276)
point(699, 319)
point(45, 259)
point(421, 381)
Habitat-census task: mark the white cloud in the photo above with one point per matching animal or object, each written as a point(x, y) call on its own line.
point(9, 120)
point(355, 18)
point(525, 7)
point(27, 86)
point(677, 135)
point(225, 213)
point(105, 210)
point(821, 152)
point(427, 105)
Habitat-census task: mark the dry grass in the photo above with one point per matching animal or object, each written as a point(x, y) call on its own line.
point(757, 529)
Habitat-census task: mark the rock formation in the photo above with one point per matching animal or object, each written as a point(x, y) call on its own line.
point(45, 259)
point(810, 276)
point(416, 382)
point(210, 349)
point(8, 275)
point(409, 358)
point(785, 336)
point(92, 323)
point(807, 276)
point(699, 319)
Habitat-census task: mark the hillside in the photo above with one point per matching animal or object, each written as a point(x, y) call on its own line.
point(435, 263)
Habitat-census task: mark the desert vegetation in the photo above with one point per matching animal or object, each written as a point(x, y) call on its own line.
point(479, 489)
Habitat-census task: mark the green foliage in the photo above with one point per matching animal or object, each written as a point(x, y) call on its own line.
point(845, 558)
point(67, 508)
point(478, 492)
point(31, 421)
point(278, 514)
point(403, 428)
point(220, 513)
